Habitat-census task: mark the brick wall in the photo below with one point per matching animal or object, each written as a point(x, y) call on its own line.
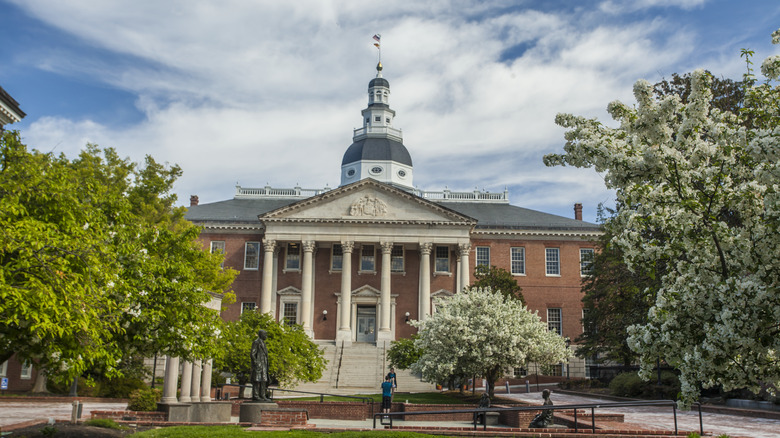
point(138, 415)
point(331, 410)
point(283, 418)
point(437, 417)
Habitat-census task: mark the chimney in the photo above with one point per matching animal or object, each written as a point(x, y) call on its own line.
point(577, 210)
point(193, 200)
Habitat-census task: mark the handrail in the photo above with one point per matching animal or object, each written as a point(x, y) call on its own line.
point(591, 406)
point(321, 394)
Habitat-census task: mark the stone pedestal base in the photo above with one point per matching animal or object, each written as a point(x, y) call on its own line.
point(251, 412)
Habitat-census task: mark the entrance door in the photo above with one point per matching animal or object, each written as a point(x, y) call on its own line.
point(366, 323)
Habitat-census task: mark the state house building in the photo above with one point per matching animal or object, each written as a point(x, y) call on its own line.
point(353, 264)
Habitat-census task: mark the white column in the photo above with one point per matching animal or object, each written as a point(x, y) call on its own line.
point(464, 249)
point(345, 313)
point(458, 276)
point(205, 382)
point(268, 275)
point(384, 335)
point(171, 378)
point(186, 382)
point(425, 280)
point(306, 289)
point(195, 385)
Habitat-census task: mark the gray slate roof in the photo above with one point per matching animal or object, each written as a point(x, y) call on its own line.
point(380, 149)
point(488, 215)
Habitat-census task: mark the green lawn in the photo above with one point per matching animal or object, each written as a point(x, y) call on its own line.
point(445, 398)
point(237, 431)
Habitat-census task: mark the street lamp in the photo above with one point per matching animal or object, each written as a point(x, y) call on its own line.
point(568, 360)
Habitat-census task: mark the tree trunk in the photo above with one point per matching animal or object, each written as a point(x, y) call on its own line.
point(40, 382)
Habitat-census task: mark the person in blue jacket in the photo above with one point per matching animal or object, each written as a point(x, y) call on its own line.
point(387, 394)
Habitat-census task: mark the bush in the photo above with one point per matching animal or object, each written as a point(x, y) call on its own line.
point(630, 385)
point(106, 423)
point(144, 399)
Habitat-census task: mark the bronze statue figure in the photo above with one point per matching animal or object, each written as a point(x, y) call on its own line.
point(544, 418)
point(259, 356)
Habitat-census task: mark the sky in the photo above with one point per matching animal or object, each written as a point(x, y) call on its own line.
point(264, 92)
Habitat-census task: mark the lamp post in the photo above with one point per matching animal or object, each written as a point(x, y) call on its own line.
point(568, 360)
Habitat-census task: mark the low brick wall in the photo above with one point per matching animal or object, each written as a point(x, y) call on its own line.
point(437, 417)
point(519, 419)
point(331, 410)
point(284, 418)
point(136, 415)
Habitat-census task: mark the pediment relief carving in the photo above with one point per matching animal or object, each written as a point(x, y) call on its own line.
point(368, 205)
point(366, 291)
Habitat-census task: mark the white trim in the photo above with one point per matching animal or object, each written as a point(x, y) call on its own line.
point(257, 255)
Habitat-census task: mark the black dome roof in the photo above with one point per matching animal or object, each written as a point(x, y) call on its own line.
point(379, 82)
point(377, 149)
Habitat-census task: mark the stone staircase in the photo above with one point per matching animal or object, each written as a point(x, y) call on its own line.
point(360, 369)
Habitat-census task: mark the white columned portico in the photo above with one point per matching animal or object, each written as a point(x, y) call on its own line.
point(385, 335)
point(195, 385)
point(171, 378)
point(268, 276)
point(344, 334)
point(425, 280)
point(205, 381)
point(306, 288)
point(186, 382)
point(463, 270)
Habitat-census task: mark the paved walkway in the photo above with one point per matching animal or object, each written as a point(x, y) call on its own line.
point(14, 412)
point(663, 418)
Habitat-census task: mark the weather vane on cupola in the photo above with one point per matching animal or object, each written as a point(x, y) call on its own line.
point(378, 46)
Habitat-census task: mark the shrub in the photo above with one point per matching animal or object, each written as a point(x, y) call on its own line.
point(626, 385)
point(144, 399)
point(630, 385)
point(106, 423)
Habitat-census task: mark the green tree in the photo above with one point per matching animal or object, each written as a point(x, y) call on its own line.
point(403, 353)
point(700, 191)
point(96, 264)
point(481, 332)
point(292, 356)
point(615, 299)
point(499, 280)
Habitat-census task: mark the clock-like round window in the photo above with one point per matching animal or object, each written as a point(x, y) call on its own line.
point(402, 173)
point(351, 173)
point(376, 170)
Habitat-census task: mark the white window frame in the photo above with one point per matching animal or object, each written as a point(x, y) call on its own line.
point(517, 259)
point(552, 262)
point(289, 257)
point(334, 257)
point(555, 320)
point(26, 372)
point(248, 306)
point(282, 310)
point(586, 262)
point(4, 369)
point(436, 259)
point(485, 250)
point(395, 257)
point(256, 266)
point(218, 245)
point(363, 254)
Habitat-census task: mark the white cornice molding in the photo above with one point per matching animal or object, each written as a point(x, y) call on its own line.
point(538, 233)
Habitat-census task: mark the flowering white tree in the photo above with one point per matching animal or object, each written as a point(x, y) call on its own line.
point(699, 191)
point(481, 332)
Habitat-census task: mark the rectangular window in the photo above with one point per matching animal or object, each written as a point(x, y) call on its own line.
point(290, 313)
point(293, 258)
point(520, 372)
point(483, 256)
point(26, 370)
point(4, 369)
point(553, 261)
point(397, 259)
point(252, 255)
point(518, 261)
point(554, 322)
point(378, 118)
point(586, 261)
point(218, 246)
point(442, 259)
point(557, 370)
point(248, 306)
point(336, 257)
point(367, 258)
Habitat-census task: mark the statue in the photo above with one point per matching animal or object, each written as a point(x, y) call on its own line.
point(544, 418)
point(259, 356)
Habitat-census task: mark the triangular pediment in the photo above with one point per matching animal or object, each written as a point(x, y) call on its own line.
point(367, 201)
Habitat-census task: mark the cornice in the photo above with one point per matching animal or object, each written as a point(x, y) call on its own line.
point(537, 233)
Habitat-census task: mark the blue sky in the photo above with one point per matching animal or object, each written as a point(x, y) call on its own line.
point(268, 92)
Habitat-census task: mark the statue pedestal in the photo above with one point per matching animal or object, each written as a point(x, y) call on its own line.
point(251, 412)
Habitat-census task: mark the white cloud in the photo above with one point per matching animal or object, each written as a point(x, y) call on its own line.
point(268, 92)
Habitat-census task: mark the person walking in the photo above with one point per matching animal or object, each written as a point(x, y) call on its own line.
point(393, 380)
